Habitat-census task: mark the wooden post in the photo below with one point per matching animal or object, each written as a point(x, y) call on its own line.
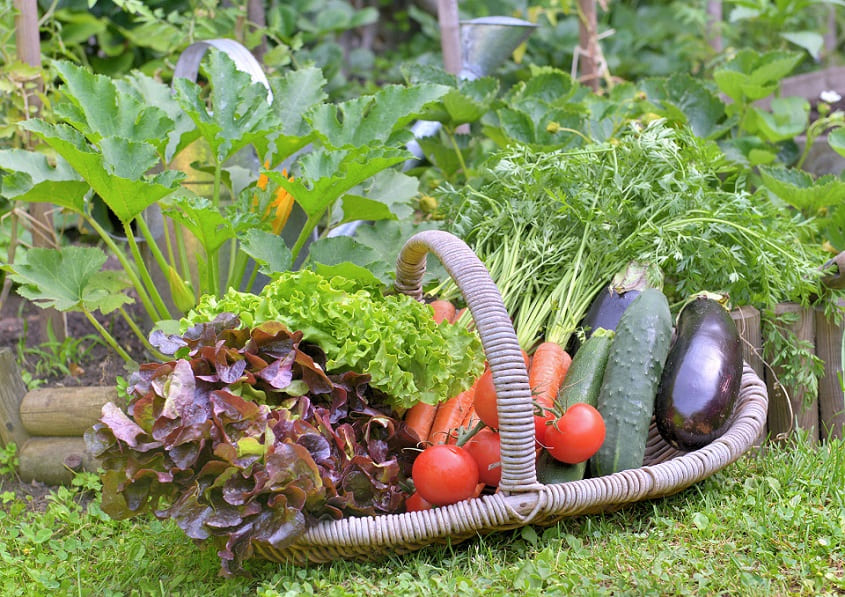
point(831, 396)
point(714, 24)
point(589, 53)
point(28, 44)
point(450, 35)
point(54, 460)
point(256, 16)
point(65, 412)
point(787, 408)
point(12, 390)
point(747, 319)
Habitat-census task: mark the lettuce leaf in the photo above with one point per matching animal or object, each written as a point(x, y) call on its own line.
point(391, 338)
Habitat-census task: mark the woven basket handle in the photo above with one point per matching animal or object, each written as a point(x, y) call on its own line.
point(513, 395)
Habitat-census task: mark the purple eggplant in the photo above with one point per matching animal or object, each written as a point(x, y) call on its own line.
point(608, 305)
point(701, 376)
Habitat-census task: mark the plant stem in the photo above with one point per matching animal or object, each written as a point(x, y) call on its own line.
point(143, 296)
point(109, 338)
point(138, 332)
point(151, 242)
point(457, 149)
point(307, 229)
point(162, 312)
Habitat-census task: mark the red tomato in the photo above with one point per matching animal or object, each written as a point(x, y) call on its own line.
point(541, 424)
point(416, 503)
point(444, 474)
point(577, 435)
point(485, 449)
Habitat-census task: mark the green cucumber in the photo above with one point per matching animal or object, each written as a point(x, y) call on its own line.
point(550, 471)
point(631, 379)
point(581, 384)
point(583, 380)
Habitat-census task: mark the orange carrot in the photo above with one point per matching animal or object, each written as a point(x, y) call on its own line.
point(471, 417)
point(449, 416)
point(548, 369)
point(419, 418)
point(443, 311)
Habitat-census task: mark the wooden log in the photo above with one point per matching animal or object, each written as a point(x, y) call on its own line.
point(831, 395)
point(65, 412)
point(747, 319)
point(54, 460)
point(788, 408)
point(12, 390)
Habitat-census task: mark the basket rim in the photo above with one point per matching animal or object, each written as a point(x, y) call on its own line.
point(369, 537)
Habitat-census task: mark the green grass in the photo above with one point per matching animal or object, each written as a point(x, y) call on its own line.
point(771, 524)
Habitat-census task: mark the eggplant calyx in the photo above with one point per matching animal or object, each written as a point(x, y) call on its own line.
point(835, 271)
point(637, 276)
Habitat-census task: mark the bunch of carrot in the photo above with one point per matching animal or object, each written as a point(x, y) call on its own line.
point(438, 424)
point(441, 423)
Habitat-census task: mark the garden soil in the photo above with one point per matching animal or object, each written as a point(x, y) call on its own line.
point(94, 364)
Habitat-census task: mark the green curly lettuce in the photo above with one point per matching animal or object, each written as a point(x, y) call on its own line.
point(392, 338)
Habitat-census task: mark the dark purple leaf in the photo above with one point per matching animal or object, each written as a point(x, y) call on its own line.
point(279, 373)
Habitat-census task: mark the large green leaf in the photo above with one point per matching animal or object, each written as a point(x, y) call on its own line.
point(268, 250)
point(70, 279)
point(32, 178)
point(750, 76)
point(202, 219)
point(373, 119)
point(801, 191)
point(150, 92)
point(347, 257)
point(787, 119)
point(328, 175)
point(548, 85)
point(811, 41)
point(293, 95)
point(97, 108)
point(699, 106)
point(239, 115)
point(836, 140)
point(106, 172)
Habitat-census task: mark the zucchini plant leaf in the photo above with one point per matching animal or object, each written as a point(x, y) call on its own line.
point(268, 250)
point(70, 279)
point(387, 237)
point(344, 256)
point(356, 207)
point(116, 173)
point(202, 219)
point(375, 119)
point(293, 95)
point(239, 114)
point(148, 91)
point(328, 175)
point(32, 178)
point(97, 108)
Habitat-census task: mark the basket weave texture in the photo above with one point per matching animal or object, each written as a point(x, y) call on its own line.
point(521, 499)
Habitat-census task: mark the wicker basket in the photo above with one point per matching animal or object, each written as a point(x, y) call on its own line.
point(521, 500)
